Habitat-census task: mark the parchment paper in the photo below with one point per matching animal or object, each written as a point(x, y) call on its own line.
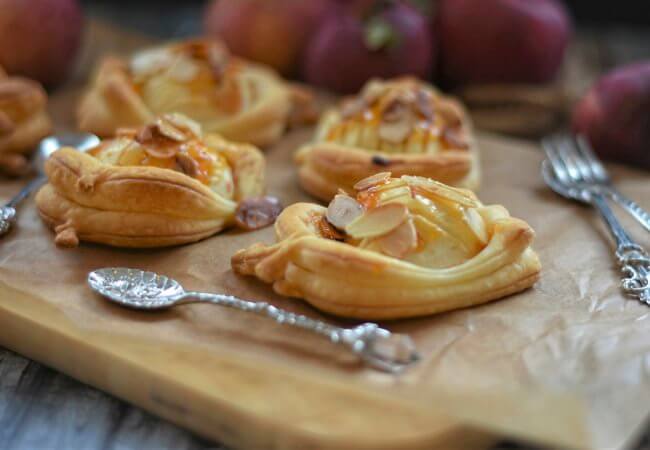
point(517, 365)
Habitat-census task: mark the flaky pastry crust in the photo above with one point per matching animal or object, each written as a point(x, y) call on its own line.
point(23, 121)
point(145, 189)
point(237, 99)
point(415, 247)
point(402, 125)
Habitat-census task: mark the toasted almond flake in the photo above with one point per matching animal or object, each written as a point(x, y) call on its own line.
point(394, 111)
point(184, 123)
point(423, 103)
point(352, 107)
point(454, 138)
point(373, 180)
point(401, 241)
point(184, 70)
point(147, 62)
point(372, 91)
point(342, 210)
point(187, 164)
point(168, 130)
point(259, 212)
point(378, 221)
point(477, 225)
point(396, 132)
point(449, 112)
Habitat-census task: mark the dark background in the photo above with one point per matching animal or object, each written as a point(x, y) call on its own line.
point(173, 18)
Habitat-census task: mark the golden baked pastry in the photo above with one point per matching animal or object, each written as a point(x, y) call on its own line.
point(164, 184)
point(403, 125)
point(23, 121)
point(402, 247)
point(240, 100)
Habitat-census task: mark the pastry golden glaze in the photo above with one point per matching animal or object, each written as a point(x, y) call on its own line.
point(403, 125)
point(163, 184)
point(242, 101)
point(402, 247)
point(23, 121)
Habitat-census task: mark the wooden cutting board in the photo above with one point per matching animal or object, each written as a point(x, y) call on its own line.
point(512, 367)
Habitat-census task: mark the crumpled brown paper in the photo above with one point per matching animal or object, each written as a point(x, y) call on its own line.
point(518, 365)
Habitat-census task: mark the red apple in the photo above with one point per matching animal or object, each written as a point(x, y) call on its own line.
point(348, 48)
point(614, 115)
point(493, 41)
point(40, 38)
point(270, 32)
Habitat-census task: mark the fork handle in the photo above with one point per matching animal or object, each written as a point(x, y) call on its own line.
point(641, 215)
point(633, 259)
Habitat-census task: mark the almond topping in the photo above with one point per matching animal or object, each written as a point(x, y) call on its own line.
point(378, 221)
point(423, 103)
point(184, 70)
point(147, 62)
point(183, 123)
point(396, 132)
point(187, 164)
point(401, 241)
point(373, 180)
point(342, 210)
point(394, 111)
point(256, 213)
point(168, 130)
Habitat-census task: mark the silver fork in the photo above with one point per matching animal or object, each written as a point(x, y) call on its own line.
point(592, 171)
point(568, 174)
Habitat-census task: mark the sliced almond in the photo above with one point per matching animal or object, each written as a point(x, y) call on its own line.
point(372, 91)
point(450, 112)
point(148, 62)
point(167, 129)
point(394, 111)
point(184, 70)
point(342, 210)
point(259, 212)
point(396, 132)
point(352, 107)
point(378, 221)
point(373, 180)
point(454, 138)
point(187, 164)
point(401, 241)
point(423, 101)
point(183, 123)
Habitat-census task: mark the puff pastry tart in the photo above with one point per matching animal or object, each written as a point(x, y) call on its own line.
point(240, 100)
point(402, 125)
point(160, 185)
point(23, 121)
point(402, 247)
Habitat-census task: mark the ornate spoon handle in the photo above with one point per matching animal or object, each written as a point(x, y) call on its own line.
point(376, 346)
point(632, 258)
point(8, 211)
point(641, 215)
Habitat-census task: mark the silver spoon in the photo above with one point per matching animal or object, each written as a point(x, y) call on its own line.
point(80, 141)
point(138, 289)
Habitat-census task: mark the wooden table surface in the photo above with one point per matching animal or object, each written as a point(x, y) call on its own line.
point(41, 408)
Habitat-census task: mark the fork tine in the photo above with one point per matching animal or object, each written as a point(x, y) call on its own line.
point(581, 162)
point(568, 155)
point(556, 163)
point(597, 168)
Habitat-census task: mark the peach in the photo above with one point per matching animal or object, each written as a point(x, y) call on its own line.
point(40, 38)
point(493, 41)
point(270, 32)
point(614, 115)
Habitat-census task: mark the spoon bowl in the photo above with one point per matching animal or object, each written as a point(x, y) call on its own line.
point(136, 288)
point(79, 141)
